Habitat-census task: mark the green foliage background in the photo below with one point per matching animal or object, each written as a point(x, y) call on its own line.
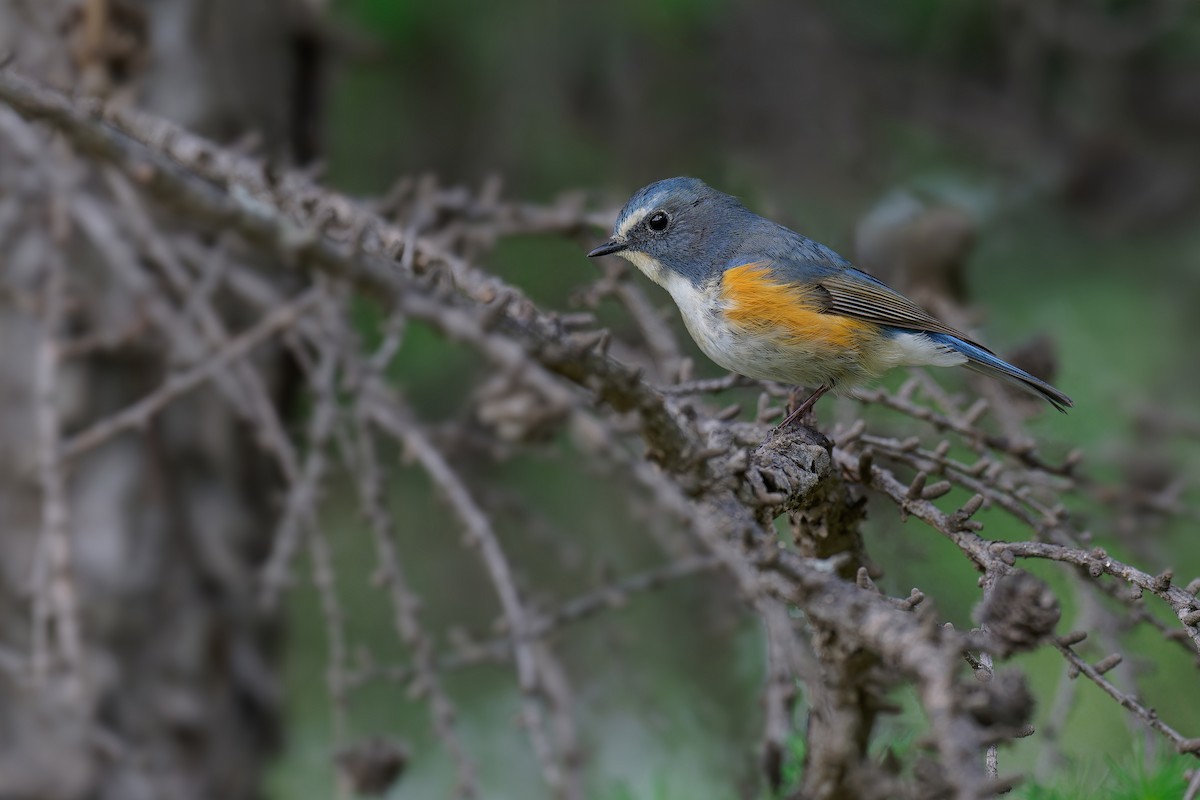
point(779, 103)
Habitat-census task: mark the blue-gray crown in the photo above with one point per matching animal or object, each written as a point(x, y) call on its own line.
point(681, 191)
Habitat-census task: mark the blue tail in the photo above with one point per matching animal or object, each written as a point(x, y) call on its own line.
point(985, 362)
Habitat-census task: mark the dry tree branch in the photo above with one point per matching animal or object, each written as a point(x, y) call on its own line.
point(300, 510)
point(252, 388)
point(498, 649)
point(267, 227)
point(137, 415)
point(1193, 787)
point(1148, 715)
point(406, 607)
point(1000, 555)
point(405, 604)
point(55, 595)
point(559, 768)
point(705, 469)
point(302, 498)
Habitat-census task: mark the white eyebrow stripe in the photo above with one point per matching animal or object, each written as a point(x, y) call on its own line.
point(634, 218)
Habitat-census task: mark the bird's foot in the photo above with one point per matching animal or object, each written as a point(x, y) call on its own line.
point(800, 414)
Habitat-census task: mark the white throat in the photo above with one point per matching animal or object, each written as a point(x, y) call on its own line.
point(651, 267)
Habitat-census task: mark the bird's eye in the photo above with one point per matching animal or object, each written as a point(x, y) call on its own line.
point(658, 221)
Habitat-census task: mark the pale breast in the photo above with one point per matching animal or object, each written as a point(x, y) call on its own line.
point(781, 353)
point(760, 353)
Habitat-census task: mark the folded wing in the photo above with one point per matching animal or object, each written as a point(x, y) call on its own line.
point(855, 294)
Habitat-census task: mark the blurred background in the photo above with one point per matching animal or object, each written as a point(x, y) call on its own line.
point(1052, 147)
point(1030, 168)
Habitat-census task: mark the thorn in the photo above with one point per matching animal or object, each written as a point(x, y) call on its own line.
point(767, 499)
point(687, 369)
point(1191, 618)
point(971, 507)
point(1071, 639)
point(1162, 581)
point(728, 412)
point(1108, 663)
point(975, 412)
point(998, 786)
point(917, 486)
point(852, 433)
point(863, 579)
point(1023, 447)
point(979, 467)
point(704, 455)
point(865, 462)
point(937, 490)
point(596, 341)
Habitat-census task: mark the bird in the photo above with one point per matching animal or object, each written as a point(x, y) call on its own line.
point(771, 304)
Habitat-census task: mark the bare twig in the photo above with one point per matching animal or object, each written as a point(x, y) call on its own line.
point(720, 479)
point(56, 591)
point(1148, 715)
point(587, 605)
point(139, 413)
point(301, 504)
point(558, 767)
point(405, 603)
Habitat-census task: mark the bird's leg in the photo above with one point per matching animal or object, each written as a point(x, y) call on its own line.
point(799, 411)
point(793, 400)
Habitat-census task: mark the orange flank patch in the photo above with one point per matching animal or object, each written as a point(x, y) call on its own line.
point(788, 311)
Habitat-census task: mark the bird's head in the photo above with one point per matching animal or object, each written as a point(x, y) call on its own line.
point(677, 226)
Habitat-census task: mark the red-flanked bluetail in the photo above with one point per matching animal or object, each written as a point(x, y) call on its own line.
point(765, 302)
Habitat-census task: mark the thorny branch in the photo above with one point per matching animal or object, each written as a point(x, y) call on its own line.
point(406, 606)
point(557, 767)
point(833, 638)
point(55, 593)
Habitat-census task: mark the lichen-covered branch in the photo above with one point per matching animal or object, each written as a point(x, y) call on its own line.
point(718, 478)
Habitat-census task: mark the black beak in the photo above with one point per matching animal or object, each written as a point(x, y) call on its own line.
point(608, 248)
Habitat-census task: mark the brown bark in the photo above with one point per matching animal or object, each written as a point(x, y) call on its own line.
point(126, 573)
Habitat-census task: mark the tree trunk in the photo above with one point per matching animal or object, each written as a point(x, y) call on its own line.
point(134, 661)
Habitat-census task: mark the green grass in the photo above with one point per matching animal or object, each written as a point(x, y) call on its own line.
point(1128, 778)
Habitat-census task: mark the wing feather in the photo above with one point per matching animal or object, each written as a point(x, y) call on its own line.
point(855, 294)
